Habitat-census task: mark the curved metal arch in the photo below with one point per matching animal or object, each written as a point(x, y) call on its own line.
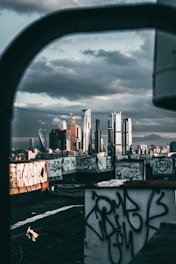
point(23, 49)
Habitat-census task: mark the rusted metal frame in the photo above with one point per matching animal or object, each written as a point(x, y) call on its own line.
point(23, 49)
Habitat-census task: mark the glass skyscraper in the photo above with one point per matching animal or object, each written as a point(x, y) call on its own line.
point(86, 130)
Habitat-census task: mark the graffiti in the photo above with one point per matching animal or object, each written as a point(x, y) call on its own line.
point(129, 171)
point(162, 166)
point(94, 163)
point(54, 169)
point(27, 174)
point(56, 166)
point(68, 164)
point(122, 220)
point(86, 163)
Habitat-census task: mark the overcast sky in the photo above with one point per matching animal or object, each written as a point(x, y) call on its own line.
point(103, 72)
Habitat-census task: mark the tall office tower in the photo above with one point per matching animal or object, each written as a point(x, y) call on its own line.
point(86, 130)
point(97, 137)
point(59, 139)
point(115, 134)
point(126, 135)
point(103, 147)
point(110, 138)
point(42, 139)
point(75, 134)
point(73, 131)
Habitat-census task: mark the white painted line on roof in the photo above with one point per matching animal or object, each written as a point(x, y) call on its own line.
point(40, 216)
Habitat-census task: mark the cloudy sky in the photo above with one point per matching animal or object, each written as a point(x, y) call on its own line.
point(103, 72)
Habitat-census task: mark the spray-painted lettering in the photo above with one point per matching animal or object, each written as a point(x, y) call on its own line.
point(119, 221)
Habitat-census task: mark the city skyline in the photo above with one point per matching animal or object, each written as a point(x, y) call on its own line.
point(102, 72)
point(116, 122)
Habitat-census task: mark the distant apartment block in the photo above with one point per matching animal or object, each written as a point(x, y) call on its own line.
point(142, 149)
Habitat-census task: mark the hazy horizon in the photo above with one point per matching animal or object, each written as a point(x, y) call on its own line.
point(146, 139)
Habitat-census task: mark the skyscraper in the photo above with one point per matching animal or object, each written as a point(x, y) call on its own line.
point(75, 134)
point(126, 135)
point(97, 137)
point(115, 134)
point(117, 129)
point(86, 130)
point(42, 139)
point(59, 138)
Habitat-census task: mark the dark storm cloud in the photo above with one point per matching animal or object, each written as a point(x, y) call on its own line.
point(75, 79)
point(100, 72)
point(68, 79)
point(112, 57)
point(38, 118)
point(19, 127)
point(71, 81)
point(147, 125)
point(22, 6)
point(132, 71)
